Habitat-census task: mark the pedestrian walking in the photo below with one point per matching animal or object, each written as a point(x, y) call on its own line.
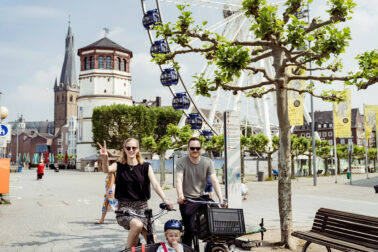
point(132, 190)
point(40, 170)
point(110, 203)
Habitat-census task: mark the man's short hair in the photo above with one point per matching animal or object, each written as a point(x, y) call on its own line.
point(195, 139)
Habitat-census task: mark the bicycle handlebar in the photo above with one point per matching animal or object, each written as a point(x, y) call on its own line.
point(206, 202)
point(163, 206)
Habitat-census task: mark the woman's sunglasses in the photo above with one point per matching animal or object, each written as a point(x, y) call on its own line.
point(129, 148)
point(195, 148)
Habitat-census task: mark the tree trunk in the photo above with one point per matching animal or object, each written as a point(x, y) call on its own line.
point(309, 165)
point(284, 181)
point(292, 167)
point(242, 164)
point(326, 166)
point(270, 165)
point(162, 169)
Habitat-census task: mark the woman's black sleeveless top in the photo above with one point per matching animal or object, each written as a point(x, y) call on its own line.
point(132, 183)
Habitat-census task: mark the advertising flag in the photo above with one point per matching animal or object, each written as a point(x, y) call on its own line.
point(295, 101)
point(370, 113)
point(342, 118)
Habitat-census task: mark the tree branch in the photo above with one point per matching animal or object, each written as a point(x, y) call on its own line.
point(262, 56)
point(261, 70)
point(311, 92)
point(314, 25)
point(319, 78)
point(236, 88)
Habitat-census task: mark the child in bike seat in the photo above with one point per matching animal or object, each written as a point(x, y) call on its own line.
point(172, 231)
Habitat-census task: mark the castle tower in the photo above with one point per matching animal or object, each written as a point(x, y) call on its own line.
point(105, 79)
point(67, 90)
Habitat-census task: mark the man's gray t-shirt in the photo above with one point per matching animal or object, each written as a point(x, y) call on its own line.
point(194, 175)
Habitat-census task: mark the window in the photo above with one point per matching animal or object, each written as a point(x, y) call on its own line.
point(330, 133)
point(350, 141)
point(307, 135)
point(57, 98)
point(104, 91)
point(59, 141)
point(86, 63)
point(91, 62)
point(319, 126)
point(302, 134)
point(330, 142)
point(118, 64)
point(342, 141)
point(330, 125)
point(101, 62)
point(325, 125)
point(108, 62)
point(324, 134)
point(123, 68)
point(71, 98)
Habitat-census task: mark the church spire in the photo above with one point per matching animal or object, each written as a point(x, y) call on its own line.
point(68, 75)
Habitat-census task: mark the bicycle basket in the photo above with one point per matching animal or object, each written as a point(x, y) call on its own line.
point(220, 223)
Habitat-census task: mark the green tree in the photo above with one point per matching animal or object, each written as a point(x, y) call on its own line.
point(215, 144)
point(358, 153)
point(164, 116)
point(323, 150)
point(279, 35)
point(269, 149)
point(174, 139)
point(372, 155)
point(299, 146)
point(342, 153)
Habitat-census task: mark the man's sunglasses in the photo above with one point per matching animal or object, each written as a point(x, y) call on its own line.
point(195, 148)
point(131, 148)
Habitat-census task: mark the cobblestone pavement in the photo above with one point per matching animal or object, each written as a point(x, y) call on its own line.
point(58, 212)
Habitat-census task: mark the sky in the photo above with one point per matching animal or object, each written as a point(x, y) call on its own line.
point(32, 44)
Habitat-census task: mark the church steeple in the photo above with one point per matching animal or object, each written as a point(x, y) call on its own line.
point(68, 75)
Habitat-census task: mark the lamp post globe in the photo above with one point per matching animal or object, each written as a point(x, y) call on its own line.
point(3, 112)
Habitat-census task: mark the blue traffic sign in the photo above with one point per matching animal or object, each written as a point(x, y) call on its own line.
point(3, 130)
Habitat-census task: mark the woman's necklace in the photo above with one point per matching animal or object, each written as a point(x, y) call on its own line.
point(131, 167)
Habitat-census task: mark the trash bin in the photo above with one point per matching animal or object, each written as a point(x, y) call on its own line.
point(376, 188)
point(20, 169)
point(348, 175)
point(260, 176)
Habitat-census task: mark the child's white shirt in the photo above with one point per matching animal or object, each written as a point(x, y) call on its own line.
point(169, 248)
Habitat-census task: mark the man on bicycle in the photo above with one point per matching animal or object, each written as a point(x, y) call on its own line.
point(191, 176)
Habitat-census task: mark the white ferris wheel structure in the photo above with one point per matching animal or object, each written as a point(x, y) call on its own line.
point(233, 25)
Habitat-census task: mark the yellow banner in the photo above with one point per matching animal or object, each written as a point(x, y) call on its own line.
point(370, 114)
point(295, 101)
point(342, 119)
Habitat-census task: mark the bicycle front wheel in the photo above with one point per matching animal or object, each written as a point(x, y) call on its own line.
point(217, 248)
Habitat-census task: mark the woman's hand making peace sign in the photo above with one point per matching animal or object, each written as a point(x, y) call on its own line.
point(103, 150)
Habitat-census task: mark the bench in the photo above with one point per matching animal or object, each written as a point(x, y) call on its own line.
point(153, 248)
point(342, 230)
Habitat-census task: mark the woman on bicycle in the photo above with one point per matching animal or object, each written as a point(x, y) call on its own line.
point(133, 179)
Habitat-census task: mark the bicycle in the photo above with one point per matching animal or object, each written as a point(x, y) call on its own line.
point(220, 228)
point(150, 245)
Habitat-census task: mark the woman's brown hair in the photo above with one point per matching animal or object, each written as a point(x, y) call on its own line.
point(124, 155)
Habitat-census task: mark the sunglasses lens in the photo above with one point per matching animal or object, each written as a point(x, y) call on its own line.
point(130, 148)
point(195, 148)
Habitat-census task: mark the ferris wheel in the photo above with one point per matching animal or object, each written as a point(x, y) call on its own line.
point(228, 20)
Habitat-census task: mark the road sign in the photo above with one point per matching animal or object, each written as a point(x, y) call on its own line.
point(3, 130)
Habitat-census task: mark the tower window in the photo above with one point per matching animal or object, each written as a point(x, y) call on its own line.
point(71, 98)
point(123, 68)
point(118, 64)
point(101, 62)
point(91, 62)
point(86, 63)
point(57, 98)
point(104, 91)
point(108, 62)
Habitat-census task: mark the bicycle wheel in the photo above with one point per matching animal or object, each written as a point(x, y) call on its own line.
point(218, 248)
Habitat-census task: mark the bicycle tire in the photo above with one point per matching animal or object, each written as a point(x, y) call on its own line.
point(219, 248)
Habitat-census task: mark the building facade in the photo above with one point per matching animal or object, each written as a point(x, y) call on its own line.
point(324, 127)
point(105, 79)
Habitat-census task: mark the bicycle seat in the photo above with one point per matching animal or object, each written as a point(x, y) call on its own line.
point(153, 247)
